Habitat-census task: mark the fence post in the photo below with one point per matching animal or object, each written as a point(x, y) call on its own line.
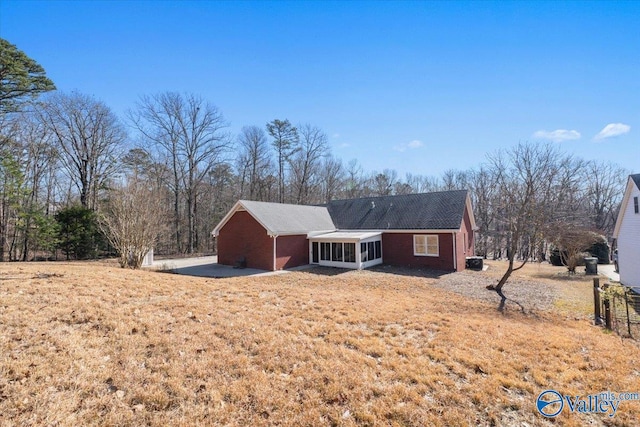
point(607, 314)
point(626, 301)
point(596, 301)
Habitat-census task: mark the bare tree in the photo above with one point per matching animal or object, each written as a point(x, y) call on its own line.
point(332, 177)
point(455, 180)
point(525, 181)
point(385, 182)
point(156, 118)
point(354, 181)
point(190, 133)
point(132, 220)
point(306, 162)
point(89, 138)
point(39, 162)
point(285, 142)
point(483, 190)
point(604, 189)
point(254, 161)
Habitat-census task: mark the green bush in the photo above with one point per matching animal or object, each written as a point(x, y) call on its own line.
point(79, 236)
point(601, 250)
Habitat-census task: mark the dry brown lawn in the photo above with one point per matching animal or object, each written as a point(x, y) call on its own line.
point(91, 344)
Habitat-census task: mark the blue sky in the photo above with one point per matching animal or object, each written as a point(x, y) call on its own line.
point(420, 87)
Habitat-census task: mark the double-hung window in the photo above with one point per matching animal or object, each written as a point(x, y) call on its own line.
point(425, 245)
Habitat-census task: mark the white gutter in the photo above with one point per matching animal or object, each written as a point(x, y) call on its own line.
point(455, 255)
point(274, 252)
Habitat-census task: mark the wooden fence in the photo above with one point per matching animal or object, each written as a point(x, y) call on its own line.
point(617, 308)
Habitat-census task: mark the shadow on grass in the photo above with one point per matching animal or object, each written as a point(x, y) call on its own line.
point(411, 272)
point(213, 271)
point(327, 271)
point(383, 268)
point(565, 276)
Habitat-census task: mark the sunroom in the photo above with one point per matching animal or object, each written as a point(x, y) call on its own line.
point(346, 249)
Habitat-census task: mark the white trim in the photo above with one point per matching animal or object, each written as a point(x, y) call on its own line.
point(275, 258)
point(623, 206)
point(469, 209)
point(312, 234)
point(226, 218)
point(455, 255)
point(346, 236)
point(358, 264)
point(418, 231)
point(239, 207)
point(426, 245)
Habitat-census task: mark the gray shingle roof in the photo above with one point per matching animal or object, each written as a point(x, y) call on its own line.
point(281, 218)
point(636, 179)
point(442, 210)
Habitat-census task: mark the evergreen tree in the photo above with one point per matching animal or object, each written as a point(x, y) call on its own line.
point(20, 78)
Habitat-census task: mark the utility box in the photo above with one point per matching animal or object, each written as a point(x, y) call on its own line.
point(147, 261)
point(474, 263)
point(591, 265)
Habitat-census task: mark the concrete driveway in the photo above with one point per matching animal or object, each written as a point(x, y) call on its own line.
point(609, 270)
point(207, 267)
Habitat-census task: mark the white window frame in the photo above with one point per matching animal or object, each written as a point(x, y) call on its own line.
point(425, 243)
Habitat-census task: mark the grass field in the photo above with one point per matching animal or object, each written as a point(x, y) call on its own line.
point(91, 344)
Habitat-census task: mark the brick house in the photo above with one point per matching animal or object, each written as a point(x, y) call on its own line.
point(428, 230)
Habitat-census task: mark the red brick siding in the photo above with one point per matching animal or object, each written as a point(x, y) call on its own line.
point(243, 236)
point(292, 251)
point(397, 249)
point(460, 252)
point(469, 249)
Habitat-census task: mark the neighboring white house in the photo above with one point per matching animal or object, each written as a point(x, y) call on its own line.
point(627, 234)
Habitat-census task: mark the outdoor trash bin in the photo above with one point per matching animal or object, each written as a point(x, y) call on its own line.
point(591, 265)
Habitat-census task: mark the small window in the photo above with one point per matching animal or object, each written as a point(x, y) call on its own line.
point(635, 204)
point(378, 249)
point(425, 245)
point(349, 252)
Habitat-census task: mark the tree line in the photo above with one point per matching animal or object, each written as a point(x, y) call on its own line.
point(77, 180)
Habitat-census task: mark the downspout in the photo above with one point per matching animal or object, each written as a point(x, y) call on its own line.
point(455, 255)
point(274, 253)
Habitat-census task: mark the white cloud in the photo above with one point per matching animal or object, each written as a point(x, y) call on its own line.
point(335, 135)
point(558, 135)
point(409, 145)
point(612, 130)
point(344, 145)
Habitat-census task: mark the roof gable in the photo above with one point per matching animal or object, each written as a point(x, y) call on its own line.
point(442, 210)
point(633, 180)
point(283, 219)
